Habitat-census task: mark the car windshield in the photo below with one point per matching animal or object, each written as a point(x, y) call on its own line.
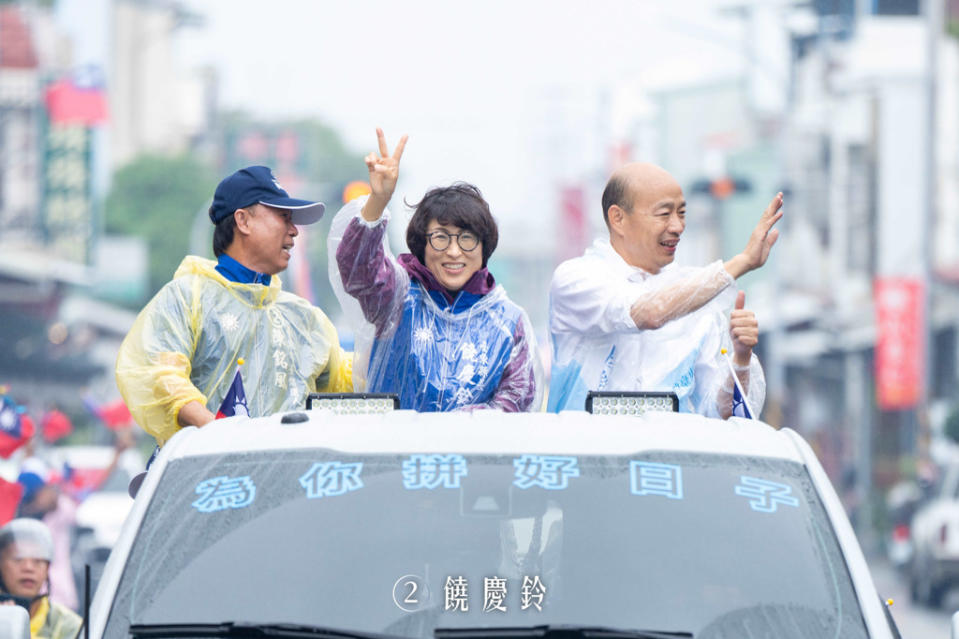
point(716, 545)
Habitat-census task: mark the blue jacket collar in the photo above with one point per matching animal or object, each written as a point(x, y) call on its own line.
point(236, 272)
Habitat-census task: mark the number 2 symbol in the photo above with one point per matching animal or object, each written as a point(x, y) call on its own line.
point(409, 598)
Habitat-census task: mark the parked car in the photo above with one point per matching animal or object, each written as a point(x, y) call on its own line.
point(487, 524)
point(934, 567)
point(902, 500)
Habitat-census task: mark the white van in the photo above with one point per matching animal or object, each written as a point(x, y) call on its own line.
point(405, 524)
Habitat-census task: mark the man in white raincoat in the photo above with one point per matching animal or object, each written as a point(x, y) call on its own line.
point(179, 359)
point(624, 318)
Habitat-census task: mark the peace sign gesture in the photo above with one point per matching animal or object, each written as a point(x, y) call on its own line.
point(384, 170)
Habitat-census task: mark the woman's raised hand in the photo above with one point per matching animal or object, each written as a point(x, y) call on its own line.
point(384, 168)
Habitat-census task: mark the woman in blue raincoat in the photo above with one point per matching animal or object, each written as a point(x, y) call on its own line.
point(432, 326)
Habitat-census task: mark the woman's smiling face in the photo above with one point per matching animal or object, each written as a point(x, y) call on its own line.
point(452, 267)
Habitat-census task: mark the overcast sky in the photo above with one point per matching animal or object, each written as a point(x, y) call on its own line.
point(478, 85)
point(402, 62)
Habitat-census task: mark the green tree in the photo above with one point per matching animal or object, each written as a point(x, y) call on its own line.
point(157, 198)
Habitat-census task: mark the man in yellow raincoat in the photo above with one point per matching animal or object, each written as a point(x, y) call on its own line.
point(177, 363)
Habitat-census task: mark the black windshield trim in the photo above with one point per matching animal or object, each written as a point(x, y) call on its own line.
point(555, 631)
point(245, 629)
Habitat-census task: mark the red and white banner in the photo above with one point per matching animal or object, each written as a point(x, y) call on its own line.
point(900, 343)
point(573, 227)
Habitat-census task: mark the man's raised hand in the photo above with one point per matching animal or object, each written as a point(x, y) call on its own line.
point(760, 241)
point(764, 235)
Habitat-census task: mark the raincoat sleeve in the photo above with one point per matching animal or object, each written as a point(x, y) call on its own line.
point(586, 297)
point(337, 377)
point(753, 381)
point(153, 364)
point(521, 386)
point(368, 281)
point(714, 393)
point(60, 623)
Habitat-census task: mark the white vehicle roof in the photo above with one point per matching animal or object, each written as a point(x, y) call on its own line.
point(489, 432)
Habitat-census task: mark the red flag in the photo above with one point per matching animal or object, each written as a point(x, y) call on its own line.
point(70, 104)
point(79, 483)
point(55, 425)
point(115, 415)
point(10, 493)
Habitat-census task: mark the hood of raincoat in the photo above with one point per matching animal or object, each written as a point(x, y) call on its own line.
point(255, 295)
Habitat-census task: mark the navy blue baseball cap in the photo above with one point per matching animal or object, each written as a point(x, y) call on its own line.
point(256, 185)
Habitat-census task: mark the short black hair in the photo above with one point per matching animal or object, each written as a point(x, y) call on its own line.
point(459, 204)
point(616, 193)
point(223, 234)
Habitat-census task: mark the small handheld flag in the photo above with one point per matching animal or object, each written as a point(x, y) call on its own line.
point(234, 403)
point(115, 415)
point(16, 427)
point(10, 494)
point(741, 406)
point(55, 425)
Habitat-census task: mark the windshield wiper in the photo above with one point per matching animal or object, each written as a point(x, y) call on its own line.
point(554, 631)
point(246, 629)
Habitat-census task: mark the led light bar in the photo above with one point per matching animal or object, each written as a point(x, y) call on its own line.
point(354, 403)
point(631, 403)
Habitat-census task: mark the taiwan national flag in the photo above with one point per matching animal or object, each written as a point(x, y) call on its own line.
point(740, 405)
point(16, 428)
point(740, 402)
point(235, 401)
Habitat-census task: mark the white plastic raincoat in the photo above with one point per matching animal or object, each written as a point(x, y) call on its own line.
point(185, 344)
point(596, 345)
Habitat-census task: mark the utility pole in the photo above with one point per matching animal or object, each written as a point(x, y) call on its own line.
point(933, 11)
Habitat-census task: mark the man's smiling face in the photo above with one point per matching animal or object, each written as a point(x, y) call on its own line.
point(272, 238)
point(652, 226)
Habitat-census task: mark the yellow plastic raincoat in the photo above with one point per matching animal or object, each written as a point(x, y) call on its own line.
point(53, 621)
point(185, 344)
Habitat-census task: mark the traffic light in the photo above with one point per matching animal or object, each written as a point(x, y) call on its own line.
point(723, 187)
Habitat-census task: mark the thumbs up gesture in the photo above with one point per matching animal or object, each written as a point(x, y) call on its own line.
point(744, 330)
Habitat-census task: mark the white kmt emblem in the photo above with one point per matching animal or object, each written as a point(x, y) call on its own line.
point(462, 397)
point(469, 351)
point(422, 336)
point(466, 374)
point(229, 322)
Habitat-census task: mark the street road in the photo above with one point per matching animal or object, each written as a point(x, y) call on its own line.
point(915, 622)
